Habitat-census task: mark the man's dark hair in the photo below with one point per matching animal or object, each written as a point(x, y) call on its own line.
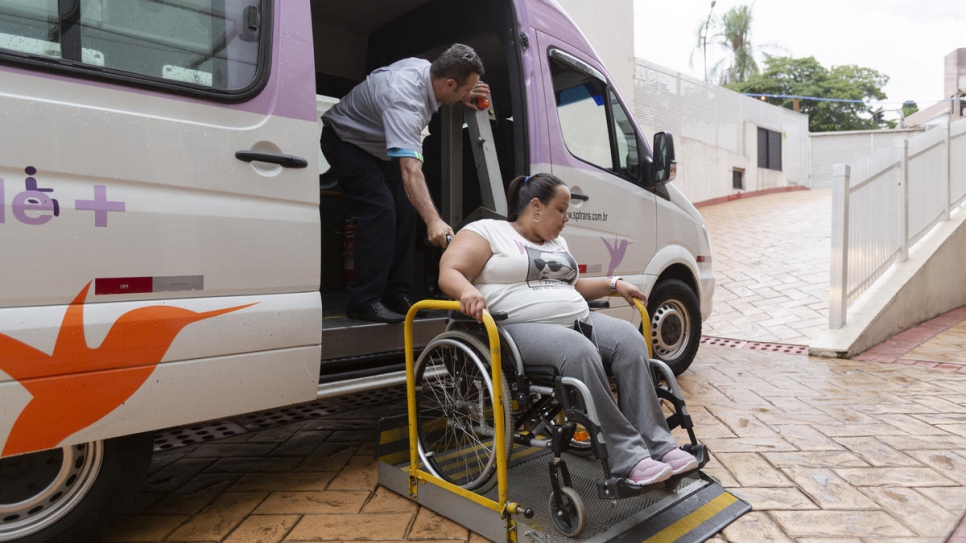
point(457, 62)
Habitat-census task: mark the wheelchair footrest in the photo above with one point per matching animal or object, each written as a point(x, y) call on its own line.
point(617, 487)
point(699, 451)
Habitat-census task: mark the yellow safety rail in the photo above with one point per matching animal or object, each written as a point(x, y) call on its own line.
point(416, 475)
point(645, 326)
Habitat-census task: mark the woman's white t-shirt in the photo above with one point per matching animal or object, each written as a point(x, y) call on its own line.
point(527, 281)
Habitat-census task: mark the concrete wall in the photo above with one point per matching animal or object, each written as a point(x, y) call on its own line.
point(609, 26)
point(705, 171)
point(830, 148)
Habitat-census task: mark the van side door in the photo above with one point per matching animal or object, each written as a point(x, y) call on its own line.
point(596, 150)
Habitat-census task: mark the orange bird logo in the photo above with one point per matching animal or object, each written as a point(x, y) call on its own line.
point(76, 386)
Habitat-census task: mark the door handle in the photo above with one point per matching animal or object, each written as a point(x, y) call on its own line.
point(286, 161)
point(579, 196)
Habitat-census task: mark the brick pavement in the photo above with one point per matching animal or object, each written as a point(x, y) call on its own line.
point(824, 450)
point(771, 260)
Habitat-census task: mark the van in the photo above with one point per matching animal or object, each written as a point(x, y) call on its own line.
point(175, 253)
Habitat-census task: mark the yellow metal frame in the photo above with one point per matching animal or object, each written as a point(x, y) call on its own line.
point(417, 476)
point(645, 326)
point(503, 506)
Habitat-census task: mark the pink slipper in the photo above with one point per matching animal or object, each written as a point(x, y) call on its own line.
point(649, 471)
point(680, 461)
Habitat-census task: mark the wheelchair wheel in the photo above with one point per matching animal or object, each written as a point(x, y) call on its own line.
point(569, 516)
point(455, 402)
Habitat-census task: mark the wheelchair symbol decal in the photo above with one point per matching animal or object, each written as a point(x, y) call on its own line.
point(36, 205)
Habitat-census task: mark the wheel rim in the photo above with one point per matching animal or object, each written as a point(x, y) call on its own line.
point(38, 489)
point(670, 330)
point(568, 514)
point(454, 397)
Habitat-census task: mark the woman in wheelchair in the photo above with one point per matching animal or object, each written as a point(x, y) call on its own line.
point(522, 267)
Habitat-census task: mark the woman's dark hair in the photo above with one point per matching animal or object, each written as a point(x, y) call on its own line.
point(524, 188)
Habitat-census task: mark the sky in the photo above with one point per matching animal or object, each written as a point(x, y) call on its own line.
point(907, 40)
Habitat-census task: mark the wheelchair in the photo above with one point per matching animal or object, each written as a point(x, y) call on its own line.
point(458, 406)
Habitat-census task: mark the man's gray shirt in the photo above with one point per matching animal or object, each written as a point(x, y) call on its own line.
point(387, 111)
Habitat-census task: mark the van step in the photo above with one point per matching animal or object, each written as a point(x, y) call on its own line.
point(343, 337)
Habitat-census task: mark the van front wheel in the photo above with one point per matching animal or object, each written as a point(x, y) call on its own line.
point(675, 324)
point(69, 494)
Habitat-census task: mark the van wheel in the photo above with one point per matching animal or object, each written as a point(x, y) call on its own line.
point(71, 493)
point(675, 324)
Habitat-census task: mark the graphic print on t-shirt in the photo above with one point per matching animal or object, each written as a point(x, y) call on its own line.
point(549, 269)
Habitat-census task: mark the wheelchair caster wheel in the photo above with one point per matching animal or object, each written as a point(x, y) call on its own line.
point(569, 516)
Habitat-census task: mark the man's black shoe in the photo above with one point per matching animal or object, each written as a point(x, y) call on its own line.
point(376, 312)
point(401, 304)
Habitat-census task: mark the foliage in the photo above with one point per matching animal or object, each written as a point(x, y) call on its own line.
point(854, 85)
point(730, 32)
point(909, 107)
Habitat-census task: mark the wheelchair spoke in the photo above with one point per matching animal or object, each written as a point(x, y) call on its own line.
point(455, 411)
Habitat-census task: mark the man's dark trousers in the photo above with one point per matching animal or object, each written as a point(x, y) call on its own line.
point(386, 221)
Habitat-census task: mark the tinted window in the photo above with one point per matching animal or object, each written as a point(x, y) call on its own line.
point(595, 126)
point(202, 45)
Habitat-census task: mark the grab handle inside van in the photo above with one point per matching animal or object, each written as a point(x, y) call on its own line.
point(287, 161)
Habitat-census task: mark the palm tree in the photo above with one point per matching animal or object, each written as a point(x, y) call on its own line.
point(731, 33)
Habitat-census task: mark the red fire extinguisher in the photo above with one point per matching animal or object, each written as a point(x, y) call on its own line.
point(348, 250)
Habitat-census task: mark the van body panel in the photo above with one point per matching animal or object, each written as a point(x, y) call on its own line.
point(147, 260)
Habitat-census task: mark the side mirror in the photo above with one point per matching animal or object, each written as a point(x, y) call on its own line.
point(663, 168)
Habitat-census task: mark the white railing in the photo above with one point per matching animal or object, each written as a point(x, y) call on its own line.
point(885, 203)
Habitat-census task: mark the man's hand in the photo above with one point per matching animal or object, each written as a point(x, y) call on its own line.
point(480, 90)
point(437, 233)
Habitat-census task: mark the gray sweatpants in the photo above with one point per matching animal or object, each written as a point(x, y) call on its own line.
point(634, 430)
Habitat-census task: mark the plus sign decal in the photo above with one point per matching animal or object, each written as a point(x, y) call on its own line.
point(100, 205)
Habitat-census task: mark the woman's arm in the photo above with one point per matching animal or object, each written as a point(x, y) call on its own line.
point(460, 265)
point(594, 288)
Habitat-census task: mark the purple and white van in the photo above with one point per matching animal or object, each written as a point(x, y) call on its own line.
point(174, 253)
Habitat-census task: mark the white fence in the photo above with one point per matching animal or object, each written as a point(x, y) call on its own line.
point(884, 204)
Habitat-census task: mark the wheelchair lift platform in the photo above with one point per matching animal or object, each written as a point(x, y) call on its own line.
point(693, 509)
point(459, 415)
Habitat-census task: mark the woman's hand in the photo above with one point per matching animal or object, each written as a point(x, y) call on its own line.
point(472, 303)
point(628, 291)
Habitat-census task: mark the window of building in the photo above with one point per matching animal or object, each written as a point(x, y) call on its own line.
point(738, 179)
point(769, 149)
point(596, 127)
point(213, 47)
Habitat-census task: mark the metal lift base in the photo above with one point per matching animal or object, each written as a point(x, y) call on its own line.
point(693, 510)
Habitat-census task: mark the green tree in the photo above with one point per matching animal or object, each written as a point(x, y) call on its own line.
point(848, 91)
point(909, 107)
point(732, 33)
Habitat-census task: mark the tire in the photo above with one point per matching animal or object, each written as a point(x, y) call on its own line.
point(675, 324)
point(569, 516)
point(71, 493)
point(455, 409)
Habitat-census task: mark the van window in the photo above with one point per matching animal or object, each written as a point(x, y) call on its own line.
point(214, 47)
point(595, 126)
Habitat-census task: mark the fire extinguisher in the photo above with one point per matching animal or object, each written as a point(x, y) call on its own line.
point(348, 250)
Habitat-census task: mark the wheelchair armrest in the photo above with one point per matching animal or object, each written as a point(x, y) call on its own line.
point(599, 304)
point(497, 316)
